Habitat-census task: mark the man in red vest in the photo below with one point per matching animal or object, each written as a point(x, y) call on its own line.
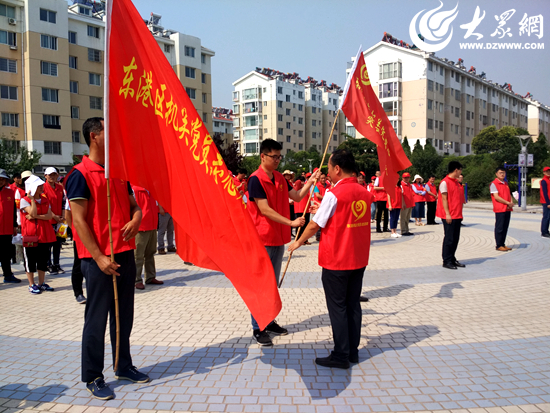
point(408, 204)
point(269, 192)
point(344, 216)
point(54, 192)
point(502, 207)
point(8, 226)
point(545, 201)
point(381, 198)
point(87, 193)
point(431, 200)
point(146, 238)
point(450, 201)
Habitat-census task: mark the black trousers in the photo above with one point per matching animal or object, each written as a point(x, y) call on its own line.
point(430, 214)
point(292, 214)
point(381, 206)
point(76, 275)
point(56, 250)
point(450, 241)
point(502, 223)
point(6, 249)
point(301, 229)
point(100, 303)
point(342, 291)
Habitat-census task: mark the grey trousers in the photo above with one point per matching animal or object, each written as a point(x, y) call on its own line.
point(146, 247)
point(404, 221)
point(166, 226)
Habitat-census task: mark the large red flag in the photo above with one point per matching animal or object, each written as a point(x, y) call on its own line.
point(157, 140)
point(364, 111)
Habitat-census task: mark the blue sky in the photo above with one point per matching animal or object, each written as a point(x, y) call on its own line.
point(318, 37)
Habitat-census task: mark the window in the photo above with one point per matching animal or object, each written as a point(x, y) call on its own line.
point(279, 90)
point(457, 78)
point(50, 95)
point(74, 86)
point(204, 98)
point(8, 38)
point(390, 70)
point(10, 119)
point(251, 147)
point(75, 112)
point(47, 16)
point(288, 138)
point(94, 79)
point(279, 103)
point(430, 85)
point(300, 108)
point(468, 81)
point(265, 117)
point(430, 104)
point(452, 74)
point(7, 11)
point(456, 129)
point(457, 112)
point(265, 103)
point(279, 131)
point(441, 70)
point(287, 98)
point(301, 146)
point(441, 126)
point(51, 122)
point(8, 65)
point(96, 103)
point(72, 37)
point(288, 125)
point(189, 72)
point(52, 148)
point(436, 124)
point(204, 117)
point(484, 104)
point(334, 138)
point(430, 66)
point(467, 131)
point(441, 87)
point(167, 48)
point(93, 31)
point(76, 136)
point(203, 78)
point(280, 118)
point(457, 94)
point(313, 122)
point(84, 10)
point(300, 133)
point(47, 68)
point(288, 112)
point(73, 62)
point(314, 135)
point(190, 92)
point(8, 92)
point(300, 95)
point(94, 55)
point(48, 42)
point(189, 51)
point(494, 106)
point(441, 108)
point(300, 121)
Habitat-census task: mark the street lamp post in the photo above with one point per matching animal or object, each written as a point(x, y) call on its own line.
point(523, 141)
point(310, 162)
point(447, 145)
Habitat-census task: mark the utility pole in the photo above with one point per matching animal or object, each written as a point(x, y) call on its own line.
point(522, 161)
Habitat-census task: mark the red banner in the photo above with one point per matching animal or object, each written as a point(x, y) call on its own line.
point(157, 140)
point(364, 111)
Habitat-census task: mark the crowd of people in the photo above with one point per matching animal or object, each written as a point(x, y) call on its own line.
point(338, 208)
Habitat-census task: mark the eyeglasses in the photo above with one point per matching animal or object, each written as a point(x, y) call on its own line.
point(275, 157)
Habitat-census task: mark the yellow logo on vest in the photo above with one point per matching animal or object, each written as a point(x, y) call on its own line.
point(359, 209)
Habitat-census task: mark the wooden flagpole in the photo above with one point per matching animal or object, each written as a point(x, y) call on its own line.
point(311, 195)
point(108, 9)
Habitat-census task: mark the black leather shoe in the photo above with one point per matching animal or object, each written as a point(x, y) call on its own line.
point(363, 299)
point(449, 266)
point(330, 362)
point(387, 230)
point(379, 230)
point(354, 358)
point(458, 264)
point(408, 234)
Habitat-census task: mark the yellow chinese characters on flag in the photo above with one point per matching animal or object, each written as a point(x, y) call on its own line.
point(158, 141)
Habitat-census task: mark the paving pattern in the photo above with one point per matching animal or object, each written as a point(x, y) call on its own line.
point(474, 340)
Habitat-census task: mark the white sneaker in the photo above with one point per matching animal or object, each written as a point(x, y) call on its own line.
point(394, 235)
point(398, 235)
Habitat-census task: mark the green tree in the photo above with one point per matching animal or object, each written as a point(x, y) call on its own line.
point(15, 157)
point(406, 147)
point(250, 163)
point(230, 153)
point(502, 144)
point(364, 152)
point(425, 160)
point(541, 153)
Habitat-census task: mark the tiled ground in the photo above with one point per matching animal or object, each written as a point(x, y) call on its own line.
point(471, 340)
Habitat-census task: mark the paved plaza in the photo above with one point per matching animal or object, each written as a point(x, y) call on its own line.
point(433, 340)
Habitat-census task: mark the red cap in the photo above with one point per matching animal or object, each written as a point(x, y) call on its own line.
point(362, 173)
point(308, 175)
point(406, 175)
point(373, 178)
point(546, 168)
point(316, 169)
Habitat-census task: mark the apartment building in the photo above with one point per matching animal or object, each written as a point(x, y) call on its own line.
point(51, 73)
point(268, 104)
point(428, 97)
point(222, 120)
point(538, 118)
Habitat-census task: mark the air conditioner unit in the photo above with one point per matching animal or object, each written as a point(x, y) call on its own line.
point(13, 47)
point(12, 21)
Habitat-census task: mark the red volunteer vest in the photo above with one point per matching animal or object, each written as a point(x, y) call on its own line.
point(43, 229)
point(396, 199)
point(322, 190)
point(542, 200)
point(380, 195)
point(56, 199)
point(7, 205)
point(433, 190)
point(408, 195)
point(15, 190)
point(272, 233)
point(504, 192)
point(455, 198)
point(149, 208)
point(304, 204)
point(97, 210)
point(417, 197)
point(345, 240)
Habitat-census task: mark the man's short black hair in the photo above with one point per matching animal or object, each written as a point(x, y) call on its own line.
point(500, 168)
point(431, 176)
point(344, 159)
point(453, 166)
point(242, 171)
point(91, 125)
point(269, 145)
point(17, 175)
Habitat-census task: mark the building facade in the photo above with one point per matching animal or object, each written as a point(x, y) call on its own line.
point(268, 104)
point(427, 97)
point(51, 73)
point(538, 118)
point(222, 123)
